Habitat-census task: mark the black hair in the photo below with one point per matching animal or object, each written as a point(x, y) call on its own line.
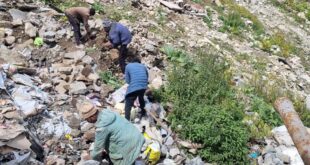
point(136, 59)
point(92, 11)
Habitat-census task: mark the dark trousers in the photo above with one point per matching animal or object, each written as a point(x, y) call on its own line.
point(130, 99)
point(76, 28)
point(122, 57)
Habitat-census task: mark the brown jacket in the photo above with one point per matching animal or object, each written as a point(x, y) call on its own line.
point(81, 14)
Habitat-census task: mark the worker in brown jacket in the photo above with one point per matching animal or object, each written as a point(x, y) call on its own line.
point(77, 15)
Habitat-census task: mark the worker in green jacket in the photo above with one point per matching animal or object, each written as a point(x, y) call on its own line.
point(115, 136)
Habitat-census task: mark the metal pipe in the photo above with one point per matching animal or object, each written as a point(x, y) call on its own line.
point(295, 127)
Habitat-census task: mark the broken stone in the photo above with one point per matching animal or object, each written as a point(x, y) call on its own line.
point(282, 136)
point(308, 102)
point(30, 30)
point(65, 70)
point(17, 14)
point(283, 157)
point(9, 40)
point(106, 90)
point(93, 76)
point(87, 126)
point(90, 1)
point(77, 88)
point(17, 22)
point(62, 87)
point(73, 119)
point(171, 5)
point(87, 70)
point(89, 135)
point(77, 55)
point(173, 152)
point(49, 36)
point(114, 54)
point(169, 141)
point(87, 60)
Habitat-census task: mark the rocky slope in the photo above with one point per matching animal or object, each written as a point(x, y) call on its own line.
point(47, 81)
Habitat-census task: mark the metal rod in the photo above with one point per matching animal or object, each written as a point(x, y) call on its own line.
point(295, 127)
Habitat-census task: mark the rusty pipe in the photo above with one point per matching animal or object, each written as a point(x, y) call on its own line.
point(295, 127)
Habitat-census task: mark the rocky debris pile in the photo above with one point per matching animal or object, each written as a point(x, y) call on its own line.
point(279, 149)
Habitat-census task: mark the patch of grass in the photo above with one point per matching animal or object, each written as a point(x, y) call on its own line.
point(278, 39)
point(65, 4)
point(270, 92)
point(243, 57)
point(98, 7)
point(232, 23)
point(123, 12)
point(108, 78)
point(208, 19)
point(161, 16)
point(205, 109)
point(257, 26)
point(293, 7)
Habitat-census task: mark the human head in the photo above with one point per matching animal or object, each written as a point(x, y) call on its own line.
point(136, 59)
point(87, 111)
point(107, 25)
point(92, 11)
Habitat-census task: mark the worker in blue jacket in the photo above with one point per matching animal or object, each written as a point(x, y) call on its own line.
point(119, 37)
point(136, 76)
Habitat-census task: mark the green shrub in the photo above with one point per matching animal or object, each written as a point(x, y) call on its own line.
point(98, 7)
point(279, 39)
point(266, 112)
point(108, 78)
point(257, 26)
point(207, 111)
point(232, 23)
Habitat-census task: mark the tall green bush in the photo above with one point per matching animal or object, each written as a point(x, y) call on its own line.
point(206, 110)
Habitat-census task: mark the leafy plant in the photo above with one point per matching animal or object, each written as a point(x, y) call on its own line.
point(232, 23)
point(279, 39)
point(175, 55)
point(205, 109)
point(161, 16)
point(257, 26)
point(108, 78)
point(98, 7)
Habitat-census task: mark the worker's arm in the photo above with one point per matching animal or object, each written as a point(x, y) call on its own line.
point(101, 138)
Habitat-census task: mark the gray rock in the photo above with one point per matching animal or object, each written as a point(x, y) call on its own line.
point(173, 152)
point(17, 22)
point(195, 161)
point(268, 149)
point(17, 14)
point(308, 102)
point(87, 60)
point(65, 70)
point(169, 141)
point(30, 30)
point(284, 158)
point(9, 40)
point(49, 34)
point(77, 55)
point(77, 88)
point(90, 162)
point(86, 127)
point(150, 47)
point(268, 158)
point(8, 32)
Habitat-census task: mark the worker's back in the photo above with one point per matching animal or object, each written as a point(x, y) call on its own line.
point(136, 76)
point(123, 139)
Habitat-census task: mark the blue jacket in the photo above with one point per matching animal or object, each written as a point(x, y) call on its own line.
point(136, 76)
point(119, 35)
point(121, 139)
